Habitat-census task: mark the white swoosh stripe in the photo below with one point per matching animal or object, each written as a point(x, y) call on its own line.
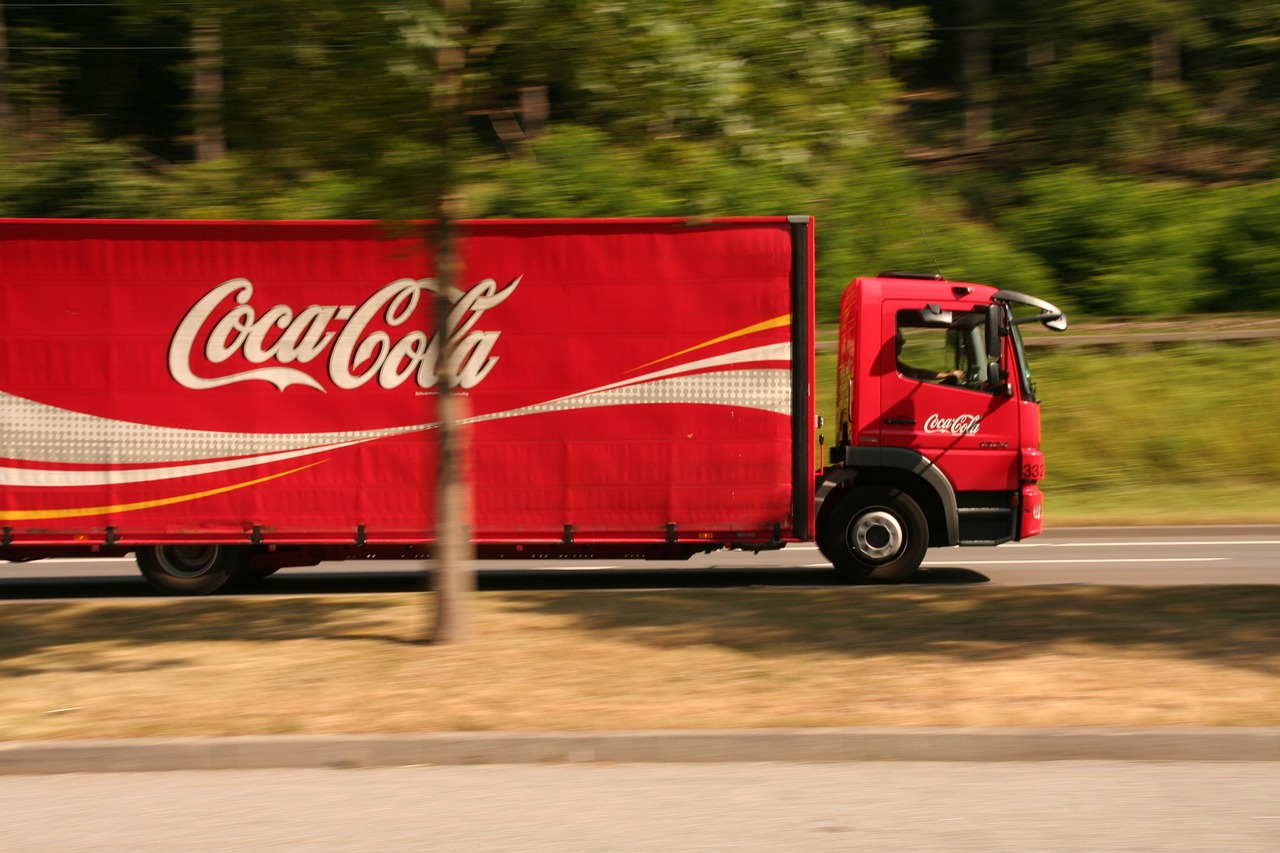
point(763, 389)
point(36, 432)
point(772, 352)
point(114, 477)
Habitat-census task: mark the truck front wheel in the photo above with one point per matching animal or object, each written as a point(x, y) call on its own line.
point(189, 569)
point(875, 533)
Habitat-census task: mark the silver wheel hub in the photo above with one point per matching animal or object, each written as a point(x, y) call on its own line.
point(876, 535)
point(187, 561)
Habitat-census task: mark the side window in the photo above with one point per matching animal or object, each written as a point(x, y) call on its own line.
point(943, 353)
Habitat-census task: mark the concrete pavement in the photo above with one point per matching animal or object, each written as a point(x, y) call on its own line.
point(683, 746)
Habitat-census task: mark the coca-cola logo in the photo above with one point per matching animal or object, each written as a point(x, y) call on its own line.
point(958, 425)
point(359, 343)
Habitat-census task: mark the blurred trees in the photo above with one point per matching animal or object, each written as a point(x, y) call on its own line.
point(1117, 156)
point(1156, 87)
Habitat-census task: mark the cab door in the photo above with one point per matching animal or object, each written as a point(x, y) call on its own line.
point(938, 400)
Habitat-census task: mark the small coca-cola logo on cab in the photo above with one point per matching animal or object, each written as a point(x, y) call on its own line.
point(958, 425)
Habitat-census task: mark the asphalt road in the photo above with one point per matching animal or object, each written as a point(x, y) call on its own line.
point(898, 806)
point(1111, 556)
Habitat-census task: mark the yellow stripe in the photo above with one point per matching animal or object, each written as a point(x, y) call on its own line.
point(77, 512)
point(784, 320)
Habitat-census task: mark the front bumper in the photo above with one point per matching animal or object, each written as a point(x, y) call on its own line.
point(1031, 513)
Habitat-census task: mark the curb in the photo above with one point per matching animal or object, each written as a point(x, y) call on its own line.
point(258, 752)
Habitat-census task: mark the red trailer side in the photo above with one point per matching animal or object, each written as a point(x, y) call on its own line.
point(637, 384)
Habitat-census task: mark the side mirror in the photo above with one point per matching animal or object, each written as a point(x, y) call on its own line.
point(997, 378)
point(1050, 316)
point(994, 346)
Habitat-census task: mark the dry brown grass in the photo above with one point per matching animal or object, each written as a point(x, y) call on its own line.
point(645, 659)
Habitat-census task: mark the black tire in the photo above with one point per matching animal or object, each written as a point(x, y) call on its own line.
point(875, 533)
point(189, 569)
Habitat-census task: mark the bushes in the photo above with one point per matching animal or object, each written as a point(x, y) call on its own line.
point(69, 175)
point(1114, 245)
point(1245, 257)
point(1118, 246)
point(1095, 243)
point(874, 212)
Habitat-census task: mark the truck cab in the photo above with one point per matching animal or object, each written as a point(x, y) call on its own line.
point(938, 425)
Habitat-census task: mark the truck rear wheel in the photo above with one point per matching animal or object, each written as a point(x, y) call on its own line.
point(189, 569)
point(875, 533)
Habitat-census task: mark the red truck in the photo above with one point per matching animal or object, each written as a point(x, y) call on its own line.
point(223, 399)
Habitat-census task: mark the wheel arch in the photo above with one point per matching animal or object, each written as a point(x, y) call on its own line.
point(897, 468)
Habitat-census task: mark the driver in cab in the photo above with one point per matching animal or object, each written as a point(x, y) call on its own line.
point(923, 374)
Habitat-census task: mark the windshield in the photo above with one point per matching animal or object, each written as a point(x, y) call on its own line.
point(1047, 314)
point(1022, 368)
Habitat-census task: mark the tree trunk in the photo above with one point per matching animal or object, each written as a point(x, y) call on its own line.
point(6, 108)
point(206, 44)
point(1166, 60)
point(454, 574)
point(976, 72)
point(534, 110)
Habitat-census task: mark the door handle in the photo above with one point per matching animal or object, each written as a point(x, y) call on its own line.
point(900, 421)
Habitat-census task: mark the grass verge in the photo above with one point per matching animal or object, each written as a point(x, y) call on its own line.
point(645, 659)
point(1164, 504)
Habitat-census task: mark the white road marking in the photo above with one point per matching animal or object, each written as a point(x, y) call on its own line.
point(1015, 562)
point(1076, 562)
point(1174, 543)
point(96, 561)
point(568, 567)
point(1141, 544)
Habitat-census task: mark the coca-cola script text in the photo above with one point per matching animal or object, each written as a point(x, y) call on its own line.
point(958, 425)
point(224, 324)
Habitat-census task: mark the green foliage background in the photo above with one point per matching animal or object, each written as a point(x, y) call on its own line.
point(1116, 157)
